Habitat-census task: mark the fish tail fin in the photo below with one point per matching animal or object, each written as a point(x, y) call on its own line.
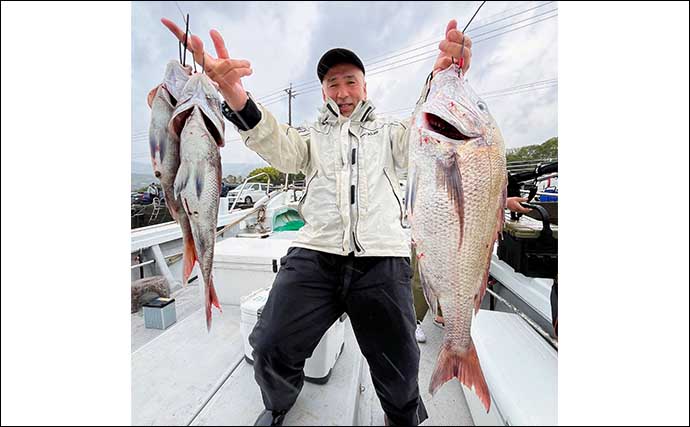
point(211, 299)
point(465, 367)
point(214, 297)
point(188, 257)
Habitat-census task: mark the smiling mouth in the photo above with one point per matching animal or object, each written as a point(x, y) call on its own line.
point(345, 106)
point(442, 127)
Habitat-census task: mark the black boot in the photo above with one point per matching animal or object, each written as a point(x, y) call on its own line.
point(270, 418)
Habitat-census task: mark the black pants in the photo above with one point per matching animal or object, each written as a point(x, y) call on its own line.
point(312, 290)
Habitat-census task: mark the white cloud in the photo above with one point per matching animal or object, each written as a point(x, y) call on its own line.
point(284, 42)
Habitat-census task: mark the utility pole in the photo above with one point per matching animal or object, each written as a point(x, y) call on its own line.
point(290, 96)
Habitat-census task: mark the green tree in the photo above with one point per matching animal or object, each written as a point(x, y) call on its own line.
point(546, 150)
point(272, 172)
point(277, 177)
point(232, 179)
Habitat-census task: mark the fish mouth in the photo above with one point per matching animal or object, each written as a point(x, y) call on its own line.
point(436, 124)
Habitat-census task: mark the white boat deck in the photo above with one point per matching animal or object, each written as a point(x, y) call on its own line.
point(186, 376)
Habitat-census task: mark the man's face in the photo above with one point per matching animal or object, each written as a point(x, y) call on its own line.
point(344, 84)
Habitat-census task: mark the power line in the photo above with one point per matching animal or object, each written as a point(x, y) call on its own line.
point(521, 91)
point(312, 86)
point(542, 84)
point(515, 90)
point(417, 58)
point(436, 40)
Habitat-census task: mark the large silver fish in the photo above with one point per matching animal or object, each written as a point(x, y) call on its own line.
point(455, 199)
point(165, 149)
point(198, 122)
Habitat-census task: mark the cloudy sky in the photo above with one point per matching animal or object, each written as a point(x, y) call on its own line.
point(514, 63)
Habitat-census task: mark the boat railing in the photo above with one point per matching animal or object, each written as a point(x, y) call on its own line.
point(244, 185)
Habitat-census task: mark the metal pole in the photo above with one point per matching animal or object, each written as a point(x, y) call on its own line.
point(143, 264)
point(529, 321)
point(290, 96)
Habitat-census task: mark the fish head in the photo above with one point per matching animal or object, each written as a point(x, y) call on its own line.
point(200, 92)
point(176, 77)
point(454, 115)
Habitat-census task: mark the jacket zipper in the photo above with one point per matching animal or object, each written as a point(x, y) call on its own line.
point(385, 172)
point(306, 190)
point(358, 245)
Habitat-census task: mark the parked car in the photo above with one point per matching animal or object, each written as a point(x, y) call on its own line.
point(224, 189)
point(252, 192)
point(139, 198)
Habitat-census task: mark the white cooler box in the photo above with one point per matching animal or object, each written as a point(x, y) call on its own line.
point(243, 265)
point(317, 368)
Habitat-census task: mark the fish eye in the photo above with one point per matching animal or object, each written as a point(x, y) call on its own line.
point(482, 106)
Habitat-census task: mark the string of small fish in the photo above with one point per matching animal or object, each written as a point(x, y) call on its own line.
point(186, 132)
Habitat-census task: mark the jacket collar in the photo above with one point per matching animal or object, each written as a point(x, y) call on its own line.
point(330, 113)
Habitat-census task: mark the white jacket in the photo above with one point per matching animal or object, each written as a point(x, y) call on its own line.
point(322, 153)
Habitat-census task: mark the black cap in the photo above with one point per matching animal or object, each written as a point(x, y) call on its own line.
point(334, 57)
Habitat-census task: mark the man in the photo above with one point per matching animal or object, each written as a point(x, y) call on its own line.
point(352, 255)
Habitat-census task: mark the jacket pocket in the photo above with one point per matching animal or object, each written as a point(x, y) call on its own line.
point(395, 193)
point(306, 191)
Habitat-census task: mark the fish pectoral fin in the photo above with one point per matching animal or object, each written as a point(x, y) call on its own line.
point(181, 180)
point(191, 174)
point(452, 182)
point(429, 295)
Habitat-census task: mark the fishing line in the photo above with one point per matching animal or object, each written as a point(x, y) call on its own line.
point(475, 14)
point(186, 33)
point(462, 46)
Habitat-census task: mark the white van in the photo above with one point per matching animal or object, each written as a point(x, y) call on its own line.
point(252, 192)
